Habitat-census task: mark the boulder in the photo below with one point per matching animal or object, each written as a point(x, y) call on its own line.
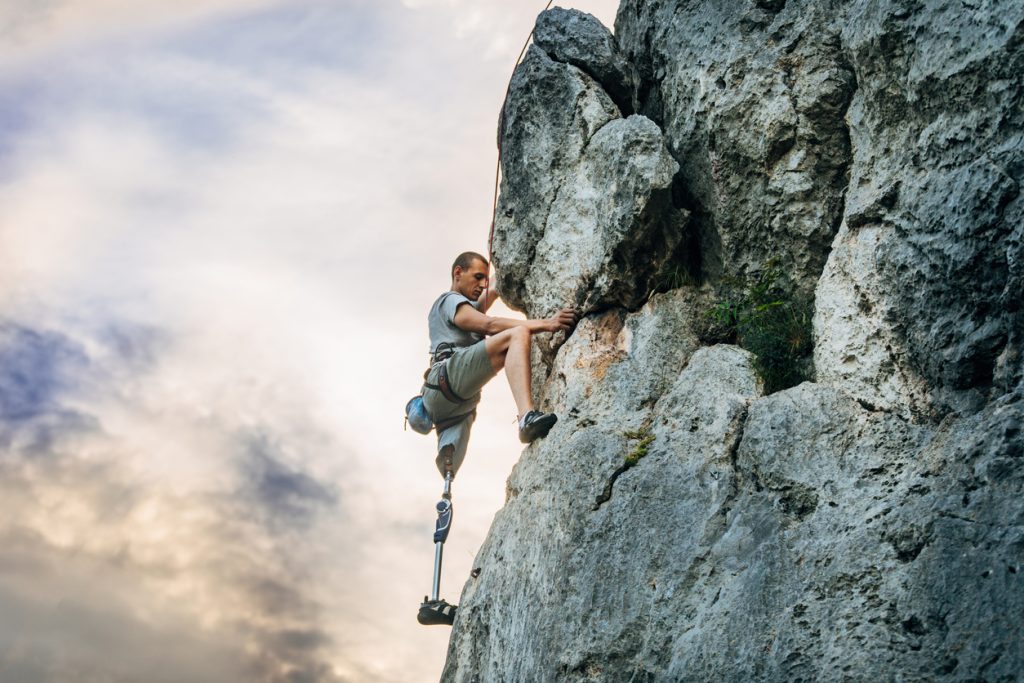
point(584, 193)
point(551, 113)
point(578, 38)
point(611, 228)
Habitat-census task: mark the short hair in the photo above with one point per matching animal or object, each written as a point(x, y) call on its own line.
point(466, 259)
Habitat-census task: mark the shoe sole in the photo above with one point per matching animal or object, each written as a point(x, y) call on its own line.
point(429, 615)
point(537, 429)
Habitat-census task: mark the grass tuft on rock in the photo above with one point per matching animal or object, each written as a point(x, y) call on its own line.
point(640, 450)
point(771, 322)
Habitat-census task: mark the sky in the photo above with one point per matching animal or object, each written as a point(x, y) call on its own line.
point(222, 223)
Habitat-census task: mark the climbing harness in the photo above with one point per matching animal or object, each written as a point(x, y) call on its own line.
point(443, 352)
point(416, 414)
point(444, 385)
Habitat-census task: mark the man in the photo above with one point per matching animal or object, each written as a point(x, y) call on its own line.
point(468, 348)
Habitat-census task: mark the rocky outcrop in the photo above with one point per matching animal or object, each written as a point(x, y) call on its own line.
point(794, 537)
point(578, 558)
point(584, 194)
point(752, 98)
point(577, 38)
point(613, 215)
point(552, 112)
point(678, 524)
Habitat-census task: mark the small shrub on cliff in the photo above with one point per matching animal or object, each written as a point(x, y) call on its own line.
point(773, 324)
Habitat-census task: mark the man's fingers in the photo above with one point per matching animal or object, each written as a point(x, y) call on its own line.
point(565, 320)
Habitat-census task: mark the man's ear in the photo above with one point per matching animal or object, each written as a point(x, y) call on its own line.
point(457, 273)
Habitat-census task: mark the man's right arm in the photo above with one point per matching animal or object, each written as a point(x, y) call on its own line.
point(472, 320)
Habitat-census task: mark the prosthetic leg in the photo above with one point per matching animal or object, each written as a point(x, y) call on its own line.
point(436, 610)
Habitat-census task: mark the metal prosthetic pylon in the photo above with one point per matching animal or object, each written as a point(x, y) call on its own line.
point(435, 610)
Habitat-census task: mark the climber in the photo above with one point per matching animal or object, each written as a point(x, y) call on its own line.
point(468, 348)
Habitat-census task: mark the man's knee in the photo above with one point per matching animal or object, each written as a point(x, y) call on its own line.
point(520, 335)
point(446, 460)
point(500, 343)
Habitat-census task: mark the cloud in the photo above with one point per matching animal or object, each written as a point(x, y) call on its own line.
point(100, 556)
point(42, 28)
point(59, 644)
point(289, 496)
point(35, 370)
point(221, 225)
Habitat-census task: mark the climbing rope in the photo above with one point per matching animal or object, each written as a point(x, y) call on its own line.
point(501, 131)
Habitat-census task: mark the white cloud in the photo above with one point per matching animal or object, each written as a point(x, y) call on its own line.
point(30, 30)
point(244, 250)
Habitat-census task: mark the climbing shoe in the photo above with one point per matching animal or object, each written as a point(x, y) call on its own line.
point(536, 425)
point(434, 612)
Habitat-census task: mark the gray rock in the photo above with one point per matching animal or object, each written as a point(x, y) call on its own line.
point(919, 308)
point(796, 122)
point(854, 348)
point(611, 227)
point(568, 586)
point(551, 113)
point(868, 569)
point(625, 351)
point(578, 38)
point(798, 536)
point(585, 215)
point(678, 525)
point(752, 103)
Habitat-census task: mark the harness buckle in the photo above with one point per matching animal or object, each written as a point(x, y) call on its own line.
point(444, 351)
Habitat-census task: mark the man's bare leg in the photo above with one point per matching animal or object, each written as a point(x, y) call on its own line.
point(511, 350)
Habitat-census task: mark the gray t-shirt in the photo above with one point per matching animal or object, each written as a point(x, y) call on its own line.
point(441, 321)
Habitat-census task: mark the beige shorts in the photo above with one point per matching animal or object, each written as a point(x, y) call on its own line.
point(468, 371)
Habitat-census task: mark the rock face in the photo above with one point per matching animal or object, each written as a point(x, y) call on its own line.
point(678, 524)
point(614, 215)
point(929, 252)
point(552, 112)
point(752, 101)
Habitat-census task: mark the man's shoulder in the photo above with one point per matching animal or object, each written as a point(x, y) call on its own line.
point(451, 298)
point(446, 304)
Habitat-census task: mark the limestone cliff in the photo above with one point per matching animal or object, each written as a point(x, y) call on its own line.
point(680, 523)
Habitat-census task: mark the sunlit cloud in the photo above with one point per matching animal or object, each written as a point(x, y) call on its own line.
point(131, 508)
point(221, 226)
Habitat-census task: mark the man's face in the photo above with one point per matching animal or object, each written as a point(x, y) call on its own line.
point(471, 282)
